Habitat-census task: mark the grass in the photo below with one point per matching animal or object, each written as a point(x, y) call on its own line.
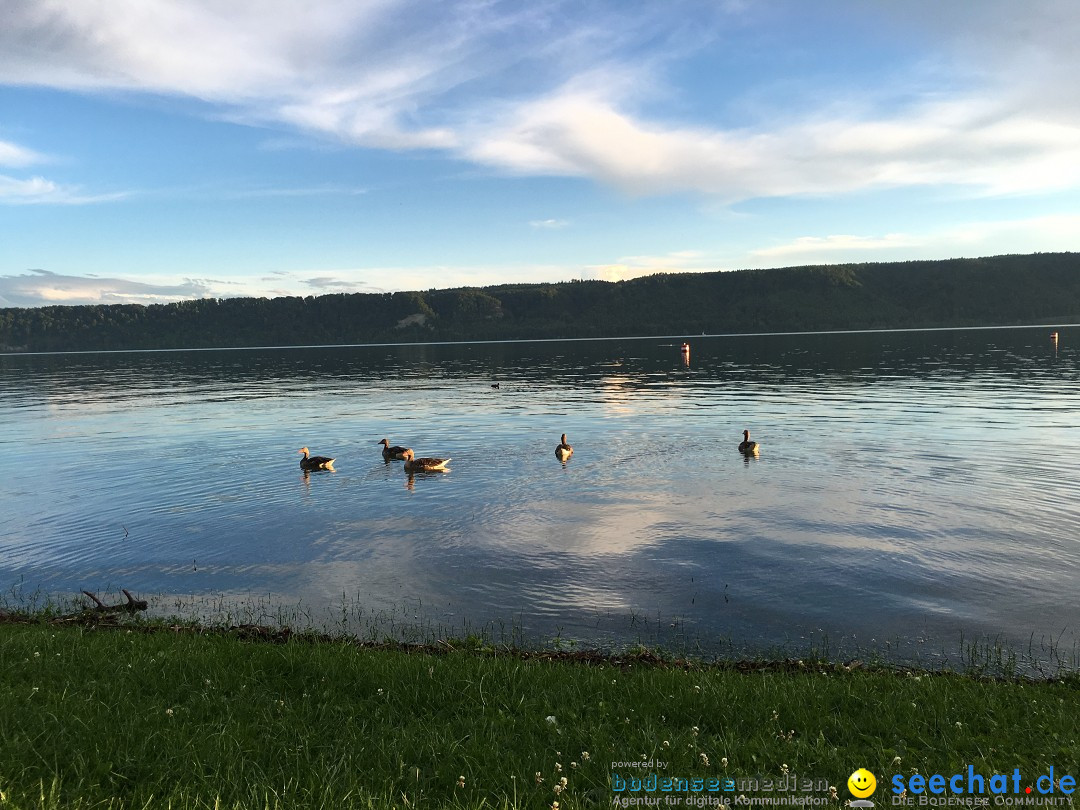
point(137, 716)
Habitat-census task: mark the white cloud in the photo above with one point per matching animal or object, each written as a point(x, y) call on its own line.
point(1054, 233)
point(959, 142)
point(537, 91)
point(548, 224)
point(835, 245)
point(628, 267)
point(40, 191)
point(42, 288)
point(15, 156)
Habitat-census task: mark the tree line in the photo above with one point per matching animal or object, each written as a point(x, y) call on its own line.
point(994, 291)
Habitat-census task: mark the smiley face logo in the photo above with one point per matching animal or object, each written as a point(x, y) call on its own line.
point(861, 783)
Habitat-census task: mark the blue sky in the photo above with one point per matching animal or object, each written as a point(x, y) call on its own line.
point(153, 150)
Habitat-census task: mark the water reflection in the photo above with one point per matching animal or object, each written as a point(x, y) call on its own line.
point(889, 535)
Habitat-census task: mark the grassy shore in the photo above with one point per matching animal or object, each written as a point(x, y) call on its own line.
point(143, 716)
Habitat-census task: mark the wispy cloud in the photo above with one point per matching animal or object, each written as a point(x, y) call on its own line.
point(1032, 234)
point(337, 284)
point(39, 191)
point(548, 224)
point(628, 267)
point(40, 287)
point(15, 156)
point(838, 244)
point(546, 90)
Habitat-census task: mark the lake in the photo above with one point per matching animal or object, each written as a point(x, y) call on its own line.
point(913, 488)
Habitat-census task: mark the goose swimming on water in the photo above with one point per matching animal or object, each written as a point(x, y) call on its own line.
point(424, 464)
point(315, 462)
point(389, 452)
point(563, 451)
point(747, 446)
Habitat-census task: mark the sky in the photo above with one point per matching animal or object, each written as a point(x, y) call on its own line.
point(159, 150)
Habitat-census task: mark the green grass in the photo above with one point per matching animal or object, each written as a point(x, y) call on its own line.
point(118, 717)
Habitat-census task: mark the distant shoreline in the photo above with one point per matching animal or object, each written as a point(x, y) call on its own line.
point(998, 291)
point(1051, 325)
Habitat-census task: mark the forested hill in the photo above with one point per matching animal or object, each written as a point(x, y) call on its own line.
point(1002, 290)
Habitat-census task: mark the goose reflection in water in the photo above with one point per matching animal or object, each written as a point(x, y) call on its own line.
point(410, 478)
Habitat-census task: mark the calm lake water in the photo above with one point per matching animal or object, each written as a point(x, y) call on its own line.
point(912, 487)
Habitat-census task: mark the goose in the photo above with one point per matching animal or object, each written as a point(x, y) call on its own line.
point(747, 446)
point(563, 451)
point(314, 462)
point(424, 464)
point(389, 452)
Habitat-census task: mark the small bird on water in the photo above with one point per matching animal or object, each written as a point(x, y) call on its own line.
point(389, 452)
point(315, 462)
point(563, 451)
point(424, 464)
point(747, 446)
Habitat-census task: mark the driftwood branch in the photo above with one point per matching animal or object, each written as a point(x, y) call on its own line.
point(130, 606)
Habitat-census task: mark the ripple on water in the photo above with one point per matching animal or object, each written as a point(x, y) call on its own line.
point(908, 485)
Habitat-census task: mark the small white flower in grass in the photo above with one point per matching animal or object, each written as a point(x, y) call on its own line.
point(573, 765)
point(585, 756)
point(642, 757)
point(704, 759)
point(558, 767)
point(557, 789)
point(959, 724)
point(784, 769)
point(723, 762)
point(380, 692)
point(539, 778)
point(37, 654)
point(896, 760)
point(551, 719)
point(554, 806)
point(461, 781)
point(666, 744)
point(694, 729)
point(169, 712)
point(563, 781)
point(832, 793)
